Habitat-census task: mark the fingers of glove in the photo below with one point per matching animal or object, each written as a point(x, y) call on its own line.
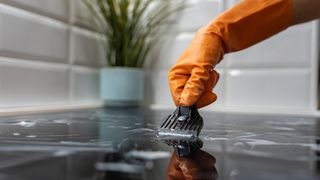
point(208, 96)
point(206, 99)
point(195, 86)
point(213, 80)
point(177, 81)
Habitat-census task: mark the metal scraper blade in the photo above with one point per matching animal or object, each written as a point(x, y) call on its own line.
point(185, 122)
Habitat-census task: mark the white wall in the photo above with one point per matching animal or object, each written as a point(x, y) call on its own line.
point(46, 56)
point(279, 74)
point(49, 56)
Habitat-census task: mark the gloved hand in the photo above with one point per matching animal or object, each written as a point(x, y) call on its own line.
point(192, 78)
point(199, 166)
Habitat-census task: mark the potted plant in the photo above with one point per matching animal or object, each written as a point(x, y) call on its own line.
point(130, 28)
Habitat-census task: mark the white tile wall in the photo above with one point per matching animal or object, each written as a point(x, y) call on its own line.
point(261, 88)
point(81, 16)
point(278, 73)
point(47, 57)
point(198, 13)
point(56, 8)
point(168, 50)
point(231, 3)
point(157, 89)
point(25, 35)
point(85, 85)
point(44, 58)
point(88, 48)
point(291, 48)
point(28, 84)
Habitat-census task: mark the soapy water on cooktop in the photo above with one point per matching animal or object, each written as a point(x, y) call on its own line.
point(132, 133)
point(105, 127)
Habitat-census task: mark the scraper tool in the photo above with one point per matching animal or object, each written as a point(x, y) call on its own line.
point(184, 123)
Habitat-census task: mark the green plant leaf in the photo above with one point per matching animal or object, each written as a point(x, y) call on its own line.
point(131, 27)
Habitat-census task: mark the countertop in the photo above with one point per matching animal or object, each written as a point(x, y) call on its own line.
point(120, 143)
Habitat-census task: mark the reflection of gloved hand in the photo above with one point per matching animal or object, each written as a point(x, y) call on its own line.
point(251, 21)
point(200, 165)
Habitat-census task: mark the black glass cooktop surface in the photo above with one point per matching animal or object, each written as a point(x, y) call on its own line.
point(120, 143)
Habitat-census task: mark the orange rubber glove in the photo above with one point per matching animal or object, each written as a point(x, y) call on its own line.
point(200, 166)
point(192, 78)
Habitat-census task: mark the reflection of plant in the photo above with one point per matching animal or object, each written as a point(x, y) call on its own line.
point(131, 27)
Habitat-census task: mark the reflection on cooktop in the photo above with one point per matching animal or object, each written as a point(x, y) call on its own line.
point(120, 143)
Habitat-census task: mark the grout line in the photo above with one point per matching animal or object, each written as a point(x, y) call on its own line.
point(228, 68)
point(224, 6)
point(33, 63)
point(1, 67)
point(224, 86)
point(85, 69)
point(48, 108)
point(314, 65)
point(1, 29)
point(253, 111)
point(31, 15)
point(32, 56)
point(224, 68)
point(33, 10)
point(70, 58)
point(85, 31)
point(70, 53)
point(259, 68)
point(1, 79)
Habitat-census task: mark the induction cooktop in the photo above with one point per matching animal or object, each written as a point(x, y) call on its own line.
point(121, 143)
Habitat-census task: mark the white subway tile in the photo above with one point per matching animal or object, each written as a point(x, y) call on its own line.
point(88, 48)
point(157, 89)
point(198, 14)
point(269, 88)
point(56, 8)
point(29, 36)
point(81, 15)
point(231, 3)
point(291, 48)
point(32, 84)
point(168, 50)
point(85, 84)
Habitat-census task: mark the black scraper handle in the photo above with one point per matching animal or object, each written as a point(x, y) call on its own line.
point(184, 112)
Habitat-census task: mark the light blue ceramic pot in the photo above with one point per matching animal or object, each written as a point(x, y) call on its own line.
point(122, 86)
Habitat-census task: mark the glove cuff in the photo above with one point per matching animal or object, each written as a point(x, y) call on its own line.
point(250, 22)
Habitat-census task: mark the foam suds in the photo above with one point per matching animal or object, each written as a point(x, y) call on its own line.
point(26, 123)
point(148, 155)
